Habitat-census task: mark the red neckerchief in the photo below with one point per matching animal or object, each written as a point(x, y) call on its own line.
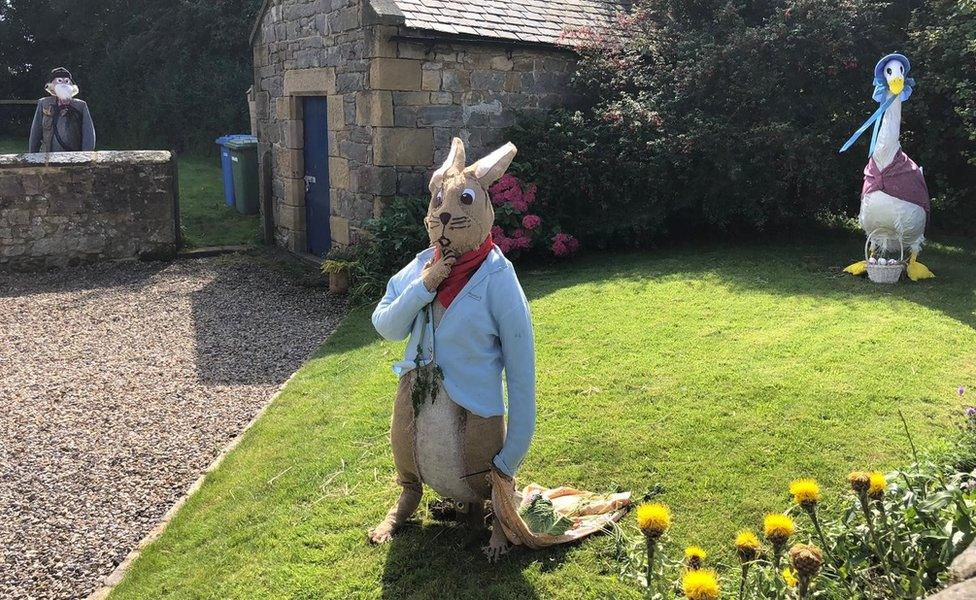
point(462, 271)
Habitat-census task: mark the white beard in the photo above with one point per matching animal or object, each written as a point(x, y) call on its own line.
point(62, 91)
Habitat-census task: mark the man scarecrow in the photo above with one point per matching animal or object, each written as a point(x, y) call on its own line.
point(62, 123)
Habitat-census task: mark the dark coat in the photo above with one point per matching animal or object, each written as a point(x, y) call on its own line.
point(56, 129)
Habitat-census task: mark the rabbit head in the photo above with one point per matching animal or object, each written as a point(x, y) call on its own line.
point(460, 215)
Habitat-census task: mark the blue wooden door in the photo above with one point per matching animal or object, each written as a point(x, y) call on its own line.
point(317, 176)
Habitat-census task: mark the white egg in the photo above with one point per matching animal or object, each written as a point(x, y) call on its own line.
point(882, 261)
point(872, 261)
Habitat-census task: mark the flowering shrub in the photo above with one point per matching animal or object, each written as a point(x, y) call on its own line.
point(729, 115)
point(519, 228)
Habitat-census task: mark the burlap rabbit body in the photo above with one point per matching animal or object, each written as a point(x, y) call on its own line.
point(468, 321)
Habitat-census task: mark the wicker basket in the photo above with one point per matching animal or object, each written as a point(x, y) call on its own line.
point(889, 273)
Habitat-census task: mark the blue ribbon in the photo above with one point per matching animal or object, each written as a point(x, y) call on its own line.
point(882, 95)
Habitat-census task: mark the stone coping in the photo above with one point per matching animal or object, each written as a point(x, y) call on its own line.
point(85, 158)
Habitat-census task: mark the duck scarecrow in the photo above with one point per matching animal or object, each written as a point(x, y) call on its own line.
point(894, 198)
point(461, 304)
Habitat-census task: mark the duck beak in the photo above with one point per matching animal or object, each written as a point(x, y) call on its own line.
point(896, 85)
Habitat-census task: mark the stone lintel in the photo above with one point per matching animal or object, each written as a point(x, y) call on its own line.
point(310, 82)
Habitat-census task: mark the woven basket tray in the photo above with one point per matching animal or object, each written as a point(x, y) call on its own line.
point(887, 273)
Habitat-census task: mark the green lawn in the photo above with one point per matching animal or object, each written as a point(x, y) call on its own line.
point(206, 219)
point(719, 373)
point(9, 145)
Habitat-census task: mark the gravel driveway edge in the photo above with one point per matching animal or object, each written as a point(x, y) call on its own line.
point(115, 578)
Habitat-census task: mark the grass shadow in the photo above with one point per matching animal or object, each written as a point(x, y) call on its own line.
point(446, 561)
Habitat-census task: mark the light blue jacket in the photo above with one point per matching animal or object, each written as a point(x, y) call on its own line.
point(487, 328)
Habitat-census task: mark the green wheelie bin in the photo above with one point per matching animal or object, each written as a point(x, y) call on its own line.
point(244, 164)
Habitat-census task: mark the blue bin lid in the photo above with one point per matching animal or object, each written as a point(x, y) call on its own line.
point(236, 137)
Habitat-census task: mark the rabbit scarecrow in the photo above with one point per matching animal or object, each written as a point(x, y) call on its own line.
point(468, 320)
point(894, 197)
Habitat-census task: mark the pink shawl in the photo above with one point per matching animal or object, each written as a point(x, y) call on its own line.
point(901, 179)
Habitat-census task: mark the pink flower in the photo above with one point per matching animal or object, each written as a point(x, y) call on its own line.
point(521, 240)
point(505, 244)
point(501, 240)
point(504, 190)
point(506, 182)
point(531, 221)
point(564, 244)
point(508, 190)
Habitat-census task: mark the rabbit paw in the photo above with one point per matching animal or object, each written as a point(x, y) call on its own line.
point(497, 545)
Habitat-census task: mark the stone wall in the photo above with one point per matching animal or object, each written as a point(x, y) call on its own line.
point(396, 97)
point(65, 208)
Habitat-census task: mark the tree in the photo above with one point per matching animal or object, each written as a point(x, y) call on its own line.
point(163, 74)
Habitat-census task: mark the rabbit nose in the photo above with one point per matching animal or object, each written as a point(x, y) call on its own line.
point(445, 217)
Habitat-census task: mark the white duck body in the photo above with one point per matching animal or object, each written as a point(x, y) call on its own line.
point(891, 223)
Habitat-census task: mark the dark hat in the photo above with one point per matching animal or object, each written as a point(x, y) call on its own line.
point(60, 72)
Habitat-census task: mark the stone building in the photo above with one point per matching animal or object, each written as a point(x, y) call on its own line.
point(355, 100)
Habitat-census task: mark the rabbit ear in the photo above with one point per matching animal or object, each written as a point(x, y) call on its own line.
point(490, 169)
point(455, 160)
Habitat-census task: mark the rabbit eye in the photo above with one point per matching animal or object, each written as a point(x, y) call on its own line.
point(889, 70)
point(467, 197)
point(438, 199)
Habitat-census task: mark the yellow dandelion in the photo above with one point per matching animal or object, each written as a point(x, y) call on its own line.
point(789, 577)
point(778, 528)
point(747, 545)
point(806, 492)
point(860, 481)
point(653, 519)
point(700, 585)
point(877, 486)
point(695, 557)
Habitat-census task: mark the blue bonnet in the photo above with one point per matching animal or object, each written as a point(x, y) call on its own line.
point(881, 86)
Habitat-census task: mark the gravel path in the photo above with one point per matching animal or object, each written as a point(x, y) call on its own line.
point(119, 383)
